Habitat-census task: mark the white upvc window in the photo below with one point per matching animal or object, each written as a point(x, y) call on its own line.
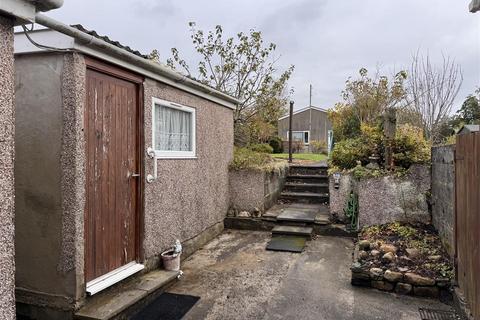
point(173, 132)
point(303, 136)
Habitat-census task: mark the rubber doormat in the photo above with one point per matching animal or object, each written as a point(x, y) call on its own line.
point(430, 314)
point(287, 243)
point(168, 306)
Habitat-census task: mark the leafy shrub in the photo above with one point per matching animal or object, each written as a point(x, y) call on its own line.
point(318, 146)
point(245, 158)
point(277, 144)
point(347, 152)
point(297, 146)
point(410, 146)
point(261, 147)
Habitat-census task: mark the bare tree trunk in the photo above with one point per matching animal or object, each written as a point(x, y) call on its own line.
point(432, 92)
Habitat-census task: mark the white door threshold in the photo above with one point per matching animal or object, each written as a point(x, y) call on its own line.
point(96, 285)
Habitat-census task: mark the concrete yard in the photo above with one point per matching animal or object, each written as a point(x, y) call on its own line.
point(236, 278)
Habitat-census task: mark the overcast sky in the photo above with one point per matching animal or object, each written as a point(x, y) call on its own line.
point(326, 40)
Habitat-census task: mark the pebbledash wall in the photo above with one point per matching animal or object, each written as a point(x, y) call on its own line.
point(443, 194)
point(255, 190)
point(7, 128)
point(385, 199)
point(188, 201)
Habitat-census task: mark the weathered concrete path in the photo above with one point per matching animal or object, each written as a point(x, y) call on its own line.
point(237, 278)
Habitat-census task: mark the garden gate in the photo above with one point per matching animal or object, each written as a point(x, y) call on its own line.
point(467, 218)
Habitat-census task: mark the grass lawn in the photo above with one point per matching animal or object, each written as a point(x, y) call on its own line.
point(301, 156)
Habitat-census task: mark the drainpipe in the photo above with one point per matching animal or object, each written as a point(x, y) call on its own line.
point(91, 41)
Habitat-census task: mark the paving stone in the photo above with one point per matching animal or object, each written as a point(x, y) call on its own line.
point(430, 292)
point(292, 230)
point(297, 215)
point(382, 285)
point(418, 280)
point(403, 288)
point(393, 276)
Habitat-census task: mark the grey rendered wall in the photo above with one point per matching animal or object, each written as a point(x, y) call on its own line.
point(189, 196)
point(7, 129)
point(388, 199)
point(49, 179)
point(301, 122)
point(443, 194)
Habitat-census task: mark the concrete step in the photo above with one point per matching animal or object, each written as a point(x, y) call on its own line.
point(122, 300)
point(304, 197)
point(308, 169)
point(311, 178)
point(306, 186)
point(294, 231)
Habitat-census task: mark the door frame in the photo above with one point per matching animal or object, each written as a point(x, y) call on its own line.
point(118, 72)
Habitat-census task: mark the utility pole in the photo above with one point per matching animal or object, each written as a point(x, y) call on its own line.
point(310, 121)
point(290, 133)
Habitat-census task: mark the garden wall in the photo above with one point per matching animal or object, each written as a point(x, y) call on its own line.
point(443, 194)
point(388, 199)
point(255, 191)
point(385, 199)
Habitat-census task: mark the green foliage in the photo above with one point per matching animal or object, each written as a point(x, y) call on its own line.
point(410, 147)
point(469, 113)
point(243, 66)
point(344, 121)
point(370, 96)
point(318, 146)
point(244, 158)
point(261, 147)
point(346, 153)
point(277, 144)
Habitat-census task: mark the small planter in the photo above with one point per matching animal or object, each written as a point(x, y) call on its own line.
point(171, 260)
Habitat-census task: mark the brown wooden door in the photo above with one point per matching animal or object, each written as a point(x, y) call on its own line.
point(112, 184)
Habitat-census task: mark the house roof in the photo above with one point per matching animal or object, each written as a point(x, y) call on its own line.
point(81, 39)
point(107, 39)
point(469, 128)
point(304, 109)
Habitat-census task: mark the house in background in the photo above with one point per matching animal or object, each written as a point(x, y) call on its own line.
point(117, 157)
point(308, 124)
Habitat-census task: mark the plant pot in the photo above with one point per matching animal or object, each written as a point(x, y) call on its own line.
point(171, 260)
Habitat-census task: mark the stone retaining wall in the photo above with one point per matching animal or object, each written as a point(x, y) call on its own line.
point(443, 194)
point(405, 283)
point(252, 192)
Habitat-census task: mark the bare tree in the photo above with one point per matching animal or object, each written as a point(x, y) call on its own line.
point(432, 91)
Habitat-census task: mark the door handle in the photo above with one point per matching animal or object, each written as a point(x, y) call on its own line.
point(135, 175)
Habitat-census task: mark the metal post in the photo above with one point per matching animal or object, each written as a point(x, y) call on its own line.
point(290, 133)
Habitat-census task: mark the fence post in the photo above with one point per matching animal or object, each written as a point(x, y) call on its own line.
point(290, 133)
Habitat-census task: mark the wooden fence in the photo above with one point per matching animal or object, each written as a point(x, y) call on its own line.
point(467, 218)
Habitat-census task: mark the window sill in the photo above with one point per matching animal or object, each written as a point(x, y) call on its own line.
point(176, 157)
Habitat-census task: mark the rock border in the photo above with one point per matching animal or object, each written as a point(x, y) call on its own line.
point(404, 283)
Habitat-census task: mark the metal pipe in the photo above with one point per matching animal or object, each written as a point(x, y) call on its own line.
point(91, 41)
point(290, 133)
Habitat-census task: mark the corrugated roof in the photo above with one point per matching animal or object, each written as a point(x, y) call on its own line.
point(107, 39)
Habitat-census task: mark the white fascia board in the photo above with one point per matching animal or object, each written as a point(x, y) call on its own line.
point(102, 56)
point(23, 11)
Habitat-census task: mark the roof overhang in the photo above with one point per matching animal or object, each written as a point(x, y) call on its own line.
point(52, 38)
point(474, 6)
point(24, 11)
point(302, 110)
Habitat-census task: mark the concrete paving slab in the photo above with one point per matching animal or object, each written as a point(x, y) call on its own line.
point(287, 243)
point(293, 230)
point(297, 215)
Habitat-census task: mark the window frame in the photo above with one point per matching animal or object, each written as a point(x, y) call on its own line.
point(303, 136)
point(165, 154)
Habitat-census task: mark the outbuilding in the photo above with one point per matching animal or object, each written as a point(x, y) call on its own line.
point(117, 157)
